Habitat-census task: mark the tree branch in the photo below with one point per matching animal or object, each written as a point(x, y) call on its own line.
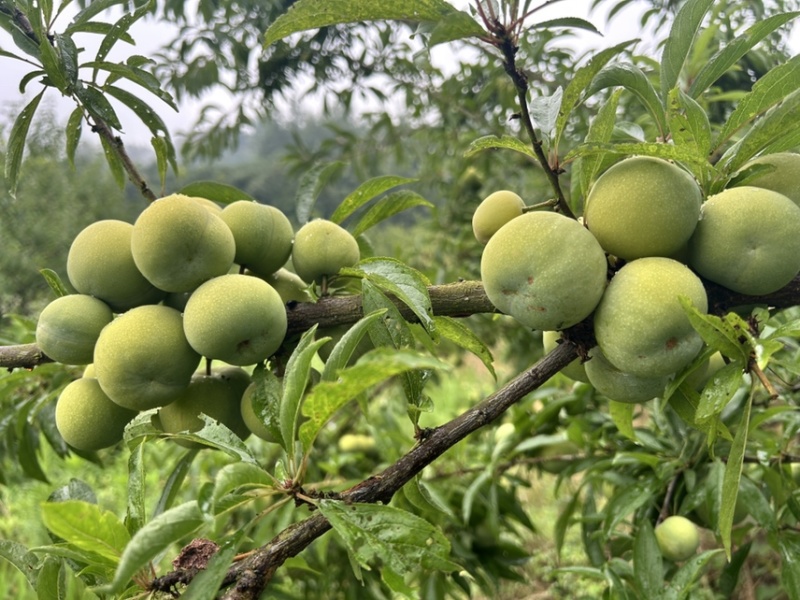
point(115, 143)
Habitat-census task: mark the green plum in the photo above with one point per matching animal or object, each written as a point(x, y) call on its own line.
point(574, 370)
point(545, 270)
point(619, 386)
point(493, 212)
point(784, 177)
point(69, 326)
point(677, 538)
point(263, 235)
point(321, 249)
point(643, 206)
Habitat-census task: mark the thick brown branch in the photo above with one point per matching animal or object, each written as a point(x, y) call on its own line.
point(249, 577)
point(25, 356)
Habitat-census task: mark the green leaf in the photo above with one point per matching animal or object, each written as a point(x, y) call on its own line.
point(733, 473)
point(266, 399)
point(22, 560)
point(388, 206)
point(364, 193)
point(570, 22)
point(405, 283)
point(154, 538)
point(666, 151)
point(52, 66)
point(162, 150)
point(54, 282)
point(684, 401)
point(492, 142)
point(172, 485)
point(579, 81)
point(73, 134)
point(374, 367)
point(767, 92)
point(134, 74)
point(16, 143)
point(715, 331)
point(421, 497)
point(633, 79)
point(136, 514)
point(456, 25)
point(311, 184)
point(295, 381)
point(624, 502)
point(395, 537)
point(461, 335)
point(146, 114)
point(545, 111)
point(216, 435)
point(790, 564)
point(783, 120)
point(237, 475)
point(221, 193)
point(622, 415)
point(120, 28)
point(684, 581)
point(87, 527)
point(688, 123)
point(114, 162)
point(730, 54)
point(679, 42)
point(98, 106)
point(206, 584)
point(313, 14)
point(600, 130)
point(719, 391)
point(344, 348)
point(648, 567)
point(92, 9)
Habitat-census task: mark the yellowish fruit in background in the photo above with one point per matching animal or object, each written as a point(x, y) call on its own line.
point(574, 370)
point(493, 212)
point(784, 178)
point(356, 442)
point(747, 240)
point(678, 538)
point(263, 235)
point(178, 244)
point(545, 270)
point(643, 206)
point(619, 386)
point(235, 318)
point(86, 417)
point(69, 326)
point(640, 324)
point(321, 249)
point(100, 264)
point(142, 359)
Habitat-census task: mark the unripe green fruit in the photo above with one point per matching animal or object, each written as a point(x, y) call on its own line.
point(562, 448)
point(640, 324)
point(496, 210)
point(504, 432)
point(619, 386)
point(178, 244)
point(69, 326)
point(356, 442)
point(235, 318)
point(784, 178)
point(209, 205)
point(252, 421)
point(142, 359)
point(574, 370)
point(321, 249)
point(678, 538)
point(100, 264)
point(643, 206)
point(263, 235)
point(289, 286)
point(545, 270)
point(86, 417)
point(217, 395)
point(747, 240)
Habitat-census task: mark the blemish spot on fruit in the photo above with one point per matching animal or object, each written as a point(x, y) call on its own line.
point(671, 343)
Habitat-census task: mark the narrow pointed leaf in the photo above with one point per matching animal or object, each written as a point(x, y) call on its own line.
point(98, 106)
point(492, 142)
point(461, 335)
point(221, 193)
point(16, 142)
point(173, 483)
point(73, 134)
point(719, 391)
point(733, 473)
point(54, 282)
point(267, 401)
point(688, 123)
point(25, 562)
point(679, 42)
point(600, 130)
point(622, 415)
point(388, 206)
point(666, 151)
point(648, 568)
point(365, 192)
point(456, 25)
point(344, 348)
point(311, 184)
point(684, 581)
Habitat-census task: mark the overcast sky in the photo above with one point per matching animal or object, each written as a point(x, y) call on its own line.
point(150, 35)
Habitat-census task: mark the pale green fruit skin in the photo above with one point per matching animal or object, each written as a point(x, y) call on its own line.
point(86, 417)
point(677, 538)
point(619, 386)
point(235, 318)
point(545, 270)
point(69, 326)
point(643, 206)
point(784, 179)
point(574, 370)
point(289, 285)
point(100, 264)
point(493, 212)
point(263, 235)
point(356, 442)
point(217, 395)
point(747, 240)
point(321, 249)
point(252, 422)
point(209, 205)
point(640, 324)
point(178, 244)
point(143, 360)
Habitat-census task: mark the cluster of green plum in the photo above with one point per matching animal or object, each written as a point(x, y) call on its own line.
point(646, 222)
point(188, 280)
